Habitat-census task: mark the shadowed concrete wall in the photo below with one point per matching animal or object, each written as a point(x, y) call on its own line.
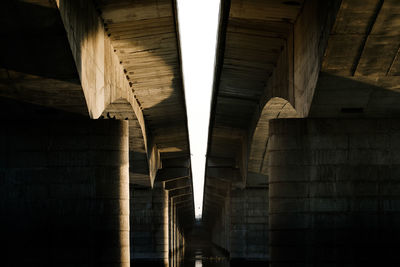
point(249, 223)
point(177, 240)
point(64, 193)
point(242, 226)
point(334, 192)
point(149, 224)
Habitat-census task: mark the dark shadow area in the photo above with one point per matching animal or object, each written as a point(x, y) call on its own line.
point(356, 97)
point(57, 171)
point(39, 81)
point(15, 110)
point(36, 63)
point(34, 41)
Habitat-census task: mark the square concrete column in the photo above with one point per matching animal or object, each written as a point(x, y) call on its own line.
point(334, 192)
point(149, 223)
point(64, 193)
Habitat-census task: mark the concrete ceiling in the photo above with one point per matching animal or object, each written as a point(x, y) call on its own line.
point(361, 67)
point(320, 58)
point(37, 66)
point(254, 36)
point(144, 36)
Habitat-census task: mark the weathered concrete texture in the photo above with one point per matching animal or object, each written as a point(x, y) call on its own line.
point(64, 193)
point(242, 227)
point(334, 192)
point(149, 224)
point(177, 240)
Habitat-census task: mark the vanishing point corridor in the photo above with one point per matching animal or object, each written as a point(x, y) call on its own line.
point(302, 160)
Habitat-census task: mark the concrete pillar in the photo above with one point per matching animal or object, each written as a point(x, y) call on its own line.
point(241, 226)
point(64, 193)
point(174, 250)
point(149, 223)
point(220, 231)
point(249, 224)
point(334, 192)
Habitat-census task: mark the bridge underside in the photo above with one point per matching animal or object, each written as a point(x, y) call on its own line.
point(302, 151)
point(303, 158)
point(94, 154)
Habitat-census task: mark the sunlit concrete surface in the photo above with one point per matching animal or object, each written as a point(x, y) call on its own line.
point(302, 156)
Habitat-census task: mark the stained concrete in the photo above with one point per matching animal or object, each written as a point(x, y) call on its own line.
point(334, 189)
point(64, 193)
point(149, 224)
point(241, 227)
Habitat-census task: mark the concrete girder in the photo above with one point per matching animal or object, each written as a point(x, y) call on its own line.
point(210, 195)
point(183, 198)
point(289, 77)
point(102, 76)
point(230, 153)
point(221, 162)
point(145, 39)
point(183, 203)
point(217, 182)
point(180, 192)
point(177, 183)
point(168, 174)
point(371, 71)
point(227, 174)
point(42, 73)
point(180, 162)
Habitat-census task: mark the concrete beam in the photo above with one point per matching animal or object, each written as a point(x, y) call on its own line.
point(211, 194)
point(183, 202)
point(228, 174)
point(183, 205)
point(183, 198)
point(221, 162)
point(180, 192)
point(219, 183)
point(101, 73)
point(169, 174)
point(177, 183)
point(182, 162)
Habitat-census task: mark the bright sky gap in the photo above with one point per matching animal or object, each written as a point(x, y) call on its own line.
point(198, 26)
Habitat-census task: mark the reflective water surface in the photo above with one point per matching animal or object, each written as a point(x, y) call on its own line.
point(200, 255)
point(199, 251)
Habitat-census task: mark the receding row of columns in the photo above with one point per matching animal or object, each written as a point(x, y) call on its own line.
point(65, 198)
point(156, 234)
point(333, 197)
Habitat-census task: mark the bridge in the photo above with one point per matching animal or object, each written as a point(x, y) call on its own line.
point(302, 161)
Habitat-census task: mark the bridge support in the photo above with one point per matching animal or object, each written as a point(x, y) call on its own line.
point(64, 193)
point(149, 224)
point(241, 226)
point(334, 191)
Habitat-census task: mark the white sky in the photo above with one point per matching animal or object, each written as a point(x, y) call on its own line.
point(198, 24)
